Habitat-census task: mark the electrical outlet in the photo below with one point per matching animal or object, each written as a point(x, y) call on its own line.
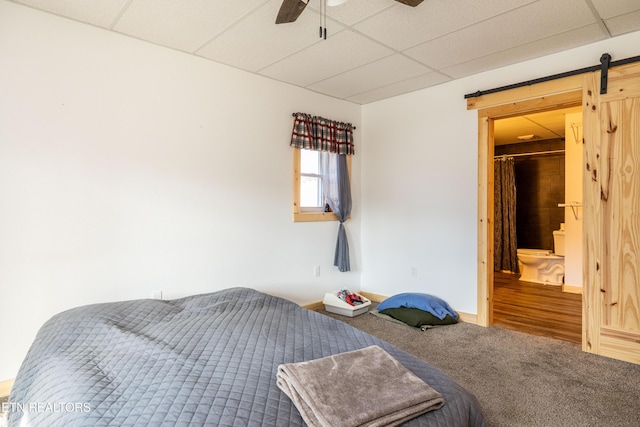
point(156, 295)
point(414, 271)
point(316, 271)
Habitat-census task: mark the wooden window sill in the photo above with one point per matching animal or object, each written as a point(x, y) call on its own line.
point(314, 216)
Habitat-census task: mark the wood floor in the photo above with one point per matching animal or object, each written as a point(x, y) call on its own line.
point(536, 309)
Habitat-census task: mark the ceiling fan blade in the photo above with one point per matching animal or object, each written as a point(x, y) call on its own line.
point(412, 3)
point(290, 10)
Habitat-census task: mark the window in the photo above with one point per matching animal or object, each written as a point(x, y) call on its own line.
point(308, 200)
point(311, 199)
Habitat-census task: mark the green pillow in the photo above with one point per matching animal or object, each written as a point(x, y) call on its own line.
point(416, 317)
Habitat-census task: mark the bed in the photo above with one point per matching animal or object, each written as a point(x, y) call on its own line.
point(206, 359)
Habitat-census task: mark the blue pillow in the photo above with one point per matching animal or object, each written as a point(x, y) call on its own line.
point(430, 303)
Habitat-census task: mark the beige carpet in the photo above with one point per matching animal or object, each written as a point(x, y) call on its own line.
point(521, 380)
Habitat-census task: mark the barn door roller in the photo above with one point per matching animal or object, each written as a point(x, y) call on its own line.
point(605, 61)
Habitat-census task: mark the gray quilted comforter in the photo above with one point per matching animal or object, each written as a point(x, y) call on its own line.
point(203, 360)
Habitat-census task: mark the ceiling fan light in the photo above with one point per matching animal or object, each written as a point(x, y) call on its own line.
point(332, 3)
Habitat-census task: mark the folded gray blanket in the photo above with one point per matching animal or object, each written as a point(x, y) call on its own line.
point(366, 387)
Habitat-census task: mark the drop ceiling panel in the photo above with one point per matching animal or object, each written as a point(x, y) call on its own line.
point(405, 86)
point(549, 120)
point(558, 43)
point(353, 10)
point(383, 72)
point(102, 14)
point(341, 52)
point(508, 131)
point(623, 24)
point(182, 25)
point(517, 27)
point(545, 125)
point(275, 41)
point(402, 27)
point(612, 8)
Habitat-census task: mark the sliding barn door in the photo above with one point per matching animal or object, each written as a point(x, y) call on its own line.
point(611, 312)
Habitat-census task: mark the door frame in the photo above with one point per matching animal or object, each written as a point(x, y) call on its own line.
point(546, 96)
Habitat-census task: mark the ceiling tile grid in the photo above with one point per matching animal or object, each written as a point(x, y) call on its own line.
point(375, 49)
point(340, 52)
point(517, 27)
point(403, 27)
point(102, 14)
point(623, 24)
point(182, 25)
point(237, 45)
point(547, 46)
point(383, 72)
point(611, 8)
point(353, 11)
point(400, 88)
point(537, 126)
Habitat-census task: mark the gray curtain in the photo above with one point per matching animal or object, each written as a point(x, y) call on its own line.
point(338, 195)
point(505, 242)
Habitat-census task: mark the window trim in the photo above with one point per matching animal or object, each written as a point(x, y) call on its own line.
point(306, 216)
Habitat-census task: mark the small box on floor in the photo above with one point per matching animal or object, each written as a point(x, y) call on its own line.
point(335, 304)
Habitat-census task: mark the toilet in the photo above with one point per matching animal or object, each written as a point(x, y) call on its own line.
point(541, 265)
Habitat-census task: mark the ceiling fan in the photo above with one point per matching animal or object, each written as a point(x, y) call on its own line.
point(291, 9)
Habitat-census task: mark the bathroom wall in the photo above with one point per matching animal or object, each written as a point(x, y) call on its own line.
point(540, 185)
point(573, 193)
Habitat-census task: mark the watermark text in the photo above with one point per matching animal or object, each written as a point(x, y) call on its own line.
point(39, 407)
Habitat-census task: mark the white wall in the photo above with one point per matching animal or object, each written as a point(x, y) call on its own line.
point(419, 196)
point(127, 168)
point(419, 175)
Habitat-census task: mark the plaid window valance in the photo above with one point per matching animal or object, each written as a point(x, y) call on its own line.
point(320, 134)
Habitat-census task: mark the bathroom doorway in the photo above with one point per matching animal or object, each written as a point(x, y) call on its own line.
point(546, 148)
point(609, 327)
